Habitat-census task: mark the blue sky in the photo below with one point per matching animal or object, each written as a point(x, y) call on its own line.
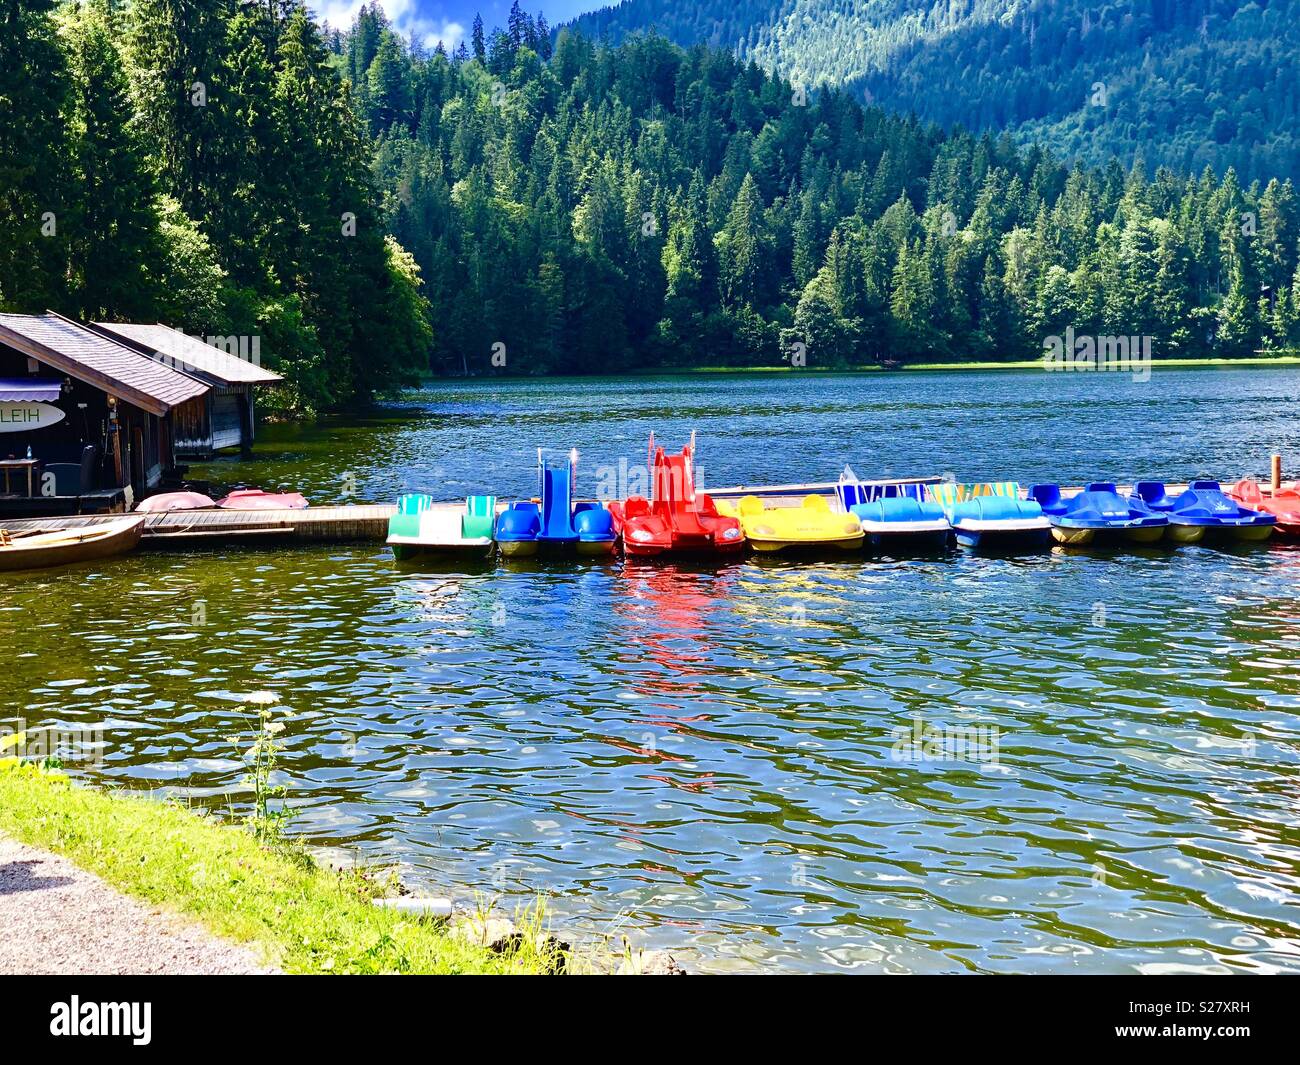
point(449, 21)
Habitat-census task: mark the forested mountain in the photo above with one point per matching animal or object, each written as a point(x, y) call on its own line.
point(1179, 83)
point(199, 163)
point(601, 208)
point(233, 169)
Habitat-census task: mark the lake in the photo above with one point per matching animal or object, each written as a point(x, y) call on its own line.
point(1065, 763)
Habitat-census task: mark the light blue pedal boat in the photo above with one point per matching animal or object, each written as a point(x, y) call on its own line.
point(991, 516)
point(896, 518)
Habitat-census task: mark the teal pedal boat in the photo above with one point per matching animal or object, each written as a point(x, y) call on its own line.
point(1203, 511)
point(424, 529)
point(1097, 515)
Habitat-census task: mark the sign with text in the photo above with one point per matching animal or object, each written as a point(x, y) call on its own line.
point(19, 417)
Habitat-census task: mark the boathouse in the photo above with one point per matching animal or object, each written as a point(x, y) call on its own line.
point(223, 418)
point(85, 421)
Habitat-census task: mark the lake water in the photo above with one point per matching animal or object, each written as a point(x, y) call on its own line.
point(723, 761)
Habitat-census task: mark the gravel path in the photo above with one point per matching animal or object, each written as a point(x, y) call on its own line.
point(56, 918)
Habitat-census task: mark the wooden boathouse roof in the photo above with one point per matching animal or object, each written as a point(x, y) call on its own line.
point(172, 347)
point(80, 352)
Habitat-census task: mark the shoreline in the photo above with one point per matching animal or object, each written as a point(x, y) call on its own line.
point(274, 902)
point(1207, 363)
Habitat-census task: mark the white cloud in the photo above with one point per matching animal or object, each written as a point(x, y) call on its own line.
point(449, 33)
point(403, 14)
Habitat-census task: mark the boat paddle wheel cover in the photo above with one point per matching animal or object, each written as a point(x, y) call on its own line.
point(519, 523)
point(594, 524)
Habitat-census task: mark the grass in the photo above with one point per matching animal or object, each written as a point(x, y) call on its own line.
point(1023, 364)
point(918, 367)
point(301, 917)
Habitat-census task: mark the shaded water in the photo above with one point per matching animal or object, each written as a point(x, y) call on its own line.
point(722, 760)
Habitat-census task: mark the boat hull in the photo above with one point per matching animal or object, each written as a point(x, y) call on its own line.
point(518, 548)
point(1185, 534)
point(1084, 536)
point(676, 549)
point(772, 545)
point(895, 542)
point(1251, 534)
point(597, 548)
point(425, 552)
point(86, 544)
point(1003, 534)
point(1145, 534)
point(1073, 537)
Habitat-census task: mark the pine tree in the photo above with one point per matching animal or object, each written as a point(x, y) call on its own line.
point(113, 239)
point(476, 40)
point(388, 85)
point(34, 152)
point(1239, 327)
point(741, 249)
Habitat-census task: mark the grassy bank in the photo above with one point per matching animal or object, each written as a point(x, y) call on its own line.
point(1262, 362)
point(303, 918)
point(933, 367)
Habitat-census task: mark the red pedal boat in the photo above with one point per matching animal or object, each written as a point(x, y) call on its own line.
point(1284, 504)
point(675, 520)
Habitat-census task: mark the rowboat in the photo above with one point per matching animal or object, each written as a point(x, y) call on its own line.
point(168, 501)
point(85, 543)
point(256, 499)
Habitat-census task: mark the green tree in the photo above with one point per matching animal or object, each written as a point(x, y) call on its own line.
point(34, 154)
point(114, 234)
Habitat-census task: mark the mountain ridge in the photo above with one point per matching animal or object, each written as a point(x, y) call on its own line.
point(1186, 85)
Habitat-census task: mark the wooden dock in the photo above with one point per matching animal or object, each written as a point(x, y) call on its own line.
point(194, 528)
point(356, 523)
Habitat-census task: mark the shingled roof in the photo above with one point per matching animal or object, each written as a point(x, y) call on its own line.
point(80, 352)
point(175, 348)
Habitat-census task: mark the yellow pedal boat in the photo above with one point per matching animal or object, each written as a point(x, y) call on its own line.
point(812, 524)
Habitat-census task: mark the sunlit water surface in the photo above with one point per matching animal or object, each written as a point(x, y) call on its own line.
point(724, 761)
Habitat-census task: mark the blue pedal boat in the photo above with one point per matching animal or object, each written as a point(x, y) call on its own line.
point(991, 516)
point(1098, 514)
point(896, 517)
point(554, 522)
point(1203, 510)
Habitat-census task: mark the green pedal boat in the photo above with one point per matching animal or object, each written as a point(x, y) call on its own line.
point(424, 529)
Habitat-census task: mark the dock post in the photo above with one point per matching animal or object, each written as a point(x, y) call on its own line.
point(1277, 472)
